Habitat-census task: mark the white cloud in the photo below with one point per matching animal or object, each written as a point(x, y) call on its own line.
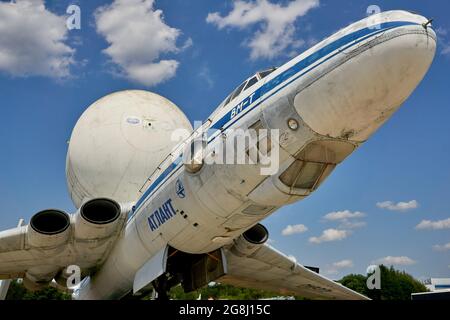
point(330, 235)
point(137, 36)
point(187, 44)
point(443, 247)
point(443, 40)
point(32, 40)
point(336, 266)
point(331, 271)
point(343, 215)
point(275, 24)
point(352, 225)
point(294, 229)
point(399, 206)
point(441, 32)
point(399, 261)
point(446, 49)
point(205, 76)
point(434, 225)
point(343, 264)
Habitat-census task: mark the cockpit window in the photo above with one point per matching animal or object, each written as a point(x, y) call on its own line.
point(227, 100)
point(247, 84)
point(265, 73)
point(251, 82)
point(238, 90)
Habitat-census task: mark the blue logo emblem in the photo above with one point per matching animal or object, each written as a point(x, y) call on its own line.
point(180, 189)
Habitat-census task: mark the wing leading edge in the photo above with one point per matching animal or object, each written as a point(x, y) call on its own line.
point(269, 269)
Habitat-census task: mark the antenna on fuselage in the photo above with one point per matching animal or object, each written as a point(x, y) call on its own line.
point(427, 24)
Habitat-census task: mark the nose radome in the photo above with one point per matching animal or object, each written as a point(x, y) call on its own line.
point(353, 100)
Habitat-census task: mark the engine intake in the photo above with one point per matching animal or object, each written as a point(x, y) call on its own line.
point(48, 228)
point(100, 211)
point(50, 222)
point(256, 235)
point(97, 219)
point(250, 241)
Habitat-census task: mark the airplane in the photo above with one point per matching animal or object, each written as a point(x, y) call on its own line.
point(153, 213)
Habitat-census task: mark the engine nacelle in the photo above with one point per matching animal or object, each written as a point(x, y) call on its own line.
point(48, 229)
point(118, 142)
point(98, 219)
point(250, 241)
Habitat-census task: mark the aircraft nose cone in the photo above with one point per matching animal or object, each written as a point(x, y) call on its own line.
point(353, 100)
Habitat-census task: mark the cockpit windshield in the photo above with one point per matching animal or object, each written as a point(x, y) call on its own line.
point(265, 73)
point(248, 84)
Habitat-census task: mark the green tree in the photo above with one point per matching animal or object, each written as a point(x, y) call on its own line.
point(356, 282)
point(17, 291)
point(221, 291)
point(395, 285)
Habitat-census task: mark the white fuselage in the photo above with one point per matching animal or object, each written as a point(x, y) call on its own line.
point(339, 92)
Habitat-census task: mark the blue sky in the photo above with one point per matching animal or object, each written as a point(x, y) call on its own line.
point(46, 85)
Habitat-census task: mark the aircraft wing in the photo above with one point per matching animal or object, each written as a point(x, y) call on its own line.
point(17, 256)
point(53, 240)
point(14, 260)
point(269, 269)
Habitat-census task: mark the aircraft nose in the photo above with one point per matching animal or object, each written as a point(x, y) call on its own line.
point(355, 98)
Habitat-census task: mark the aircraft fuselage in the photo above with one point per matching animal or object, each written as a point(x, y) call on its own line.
point(323, 105)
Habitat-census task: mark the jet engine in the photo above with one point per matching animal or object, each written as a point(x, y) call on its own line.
point(118, 142)
point(48, 229)
point(97, 219)
point(89, 233)
point(250, 241)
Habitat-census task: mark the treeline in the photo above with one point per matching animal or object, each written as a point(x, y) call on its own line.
point(222, 291)
point(395, 285)
point(17, 291)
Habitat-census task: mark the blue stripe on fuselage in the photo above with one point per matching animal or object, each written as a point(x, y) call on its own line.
point(303, 64)
point(227, 120)
point(159, 180)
